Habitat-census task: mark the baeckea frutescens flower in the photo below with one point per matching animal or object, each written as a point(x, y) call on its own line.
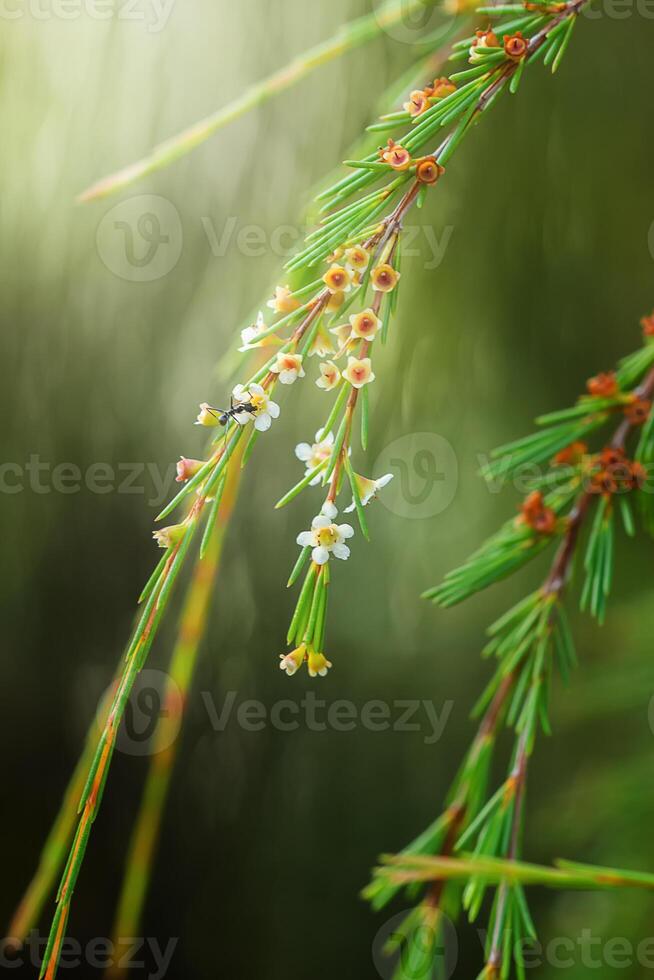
point(265, 410)
point(317, 663)
point(368, 489)
point(359, 372)
point(288, 367)
point(250, 336)
point(316, 454)
point(326, 538)
point(329, 375)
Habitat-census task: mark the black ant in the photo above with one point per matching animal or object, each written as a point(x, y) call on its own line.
point(227, 415)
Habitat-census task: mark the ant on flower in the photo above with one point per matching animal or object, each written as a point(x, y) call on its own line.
point(232, 413)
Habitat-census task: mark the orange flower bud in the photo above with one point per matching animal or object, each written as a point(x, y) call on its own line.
point(571, 455)
point(515, 46)
point(638, 475)
point(418, 102)
point(639, 411)
point(441, 88)
point(429, 170)
point(604, 385)
point(186, 468)
point(536, 515)
point(483, 39)
point(395, 156)
point(647, 323)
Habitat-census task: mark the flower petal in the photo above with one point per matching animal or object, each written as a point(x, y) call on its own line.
point(273, 410)
point(303, 451)
point(305, 539)
point(341, 551)
point(320, 555)
point(263, 422)
point(345, 530)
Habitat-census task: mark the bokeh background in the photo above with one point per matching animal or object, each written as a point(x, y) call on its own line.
point(547, 217)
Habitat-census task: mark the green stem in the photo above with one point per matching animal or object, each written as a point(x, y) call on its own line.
point(347, 38)
point(192, 629)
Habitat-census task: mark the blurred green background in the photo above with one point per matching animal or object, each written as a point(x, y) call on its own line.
point(547, 217)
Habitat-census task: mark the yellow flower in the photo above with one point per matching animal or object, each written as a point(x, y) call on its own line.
point(357, 258)
point(335, 302)
point(288, 367)
point(343, 335)
point(321, 344)
point(359, 372)
point(283, 301)
point(207, 415)
point(318, 664)
point(384, 278)
point(338, 279)
point(293, 660)
point(365, 325)
point(329, 376)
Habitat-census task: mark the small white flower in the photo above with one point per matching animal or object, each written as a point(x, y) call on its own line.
point(321, 345)
point(316, 454)
point(283, 301)
point(359, 372)
point(326, 539)
point(288, 367)
point(368, 489)
point(250, 335)
point(265, 410)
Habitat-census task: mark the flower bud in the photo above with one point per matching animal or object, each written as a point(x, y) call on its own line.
point(186, 468)
point(208, 416)
point(168, 537)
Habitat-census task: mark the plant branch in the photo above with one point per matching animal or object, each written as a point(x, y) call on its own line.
point(347, 38)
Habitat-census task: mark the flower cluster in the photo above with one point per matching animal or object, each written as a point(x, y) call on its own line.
point(612, 472)
point(421, 99)
point(604, 385)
